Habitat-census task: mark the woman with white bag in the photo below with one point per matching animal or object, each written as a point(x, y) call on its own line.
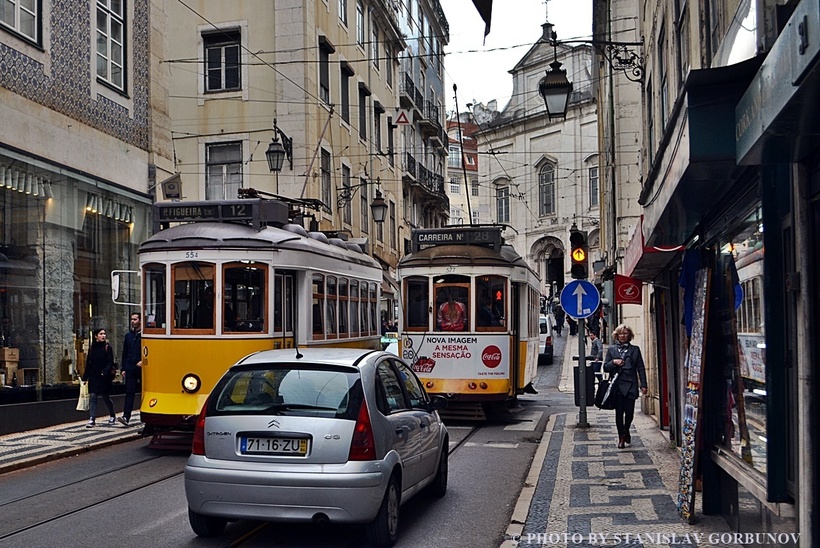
point(99, 372)
point(625, 359)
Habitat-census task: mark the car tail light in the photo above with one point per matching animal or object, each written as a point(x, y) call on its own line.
point(363, 446)
point(549, 341)
point(198, 445)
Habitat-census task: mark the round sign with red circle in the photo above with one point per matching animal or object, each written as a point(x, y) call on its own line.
point(491, 356)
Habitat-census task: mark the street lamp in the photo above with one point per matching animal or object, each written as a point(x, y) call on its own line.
point(554, 87)
point(378, 207)
point(277, 152)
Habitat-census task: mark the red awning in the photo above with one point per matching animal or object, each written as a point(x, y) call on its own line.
point(645, 262)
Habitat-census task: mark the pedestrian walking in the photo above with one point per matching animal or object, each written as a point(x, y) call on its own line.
point(573, 326)
point(624, 358)
point(131, 365)
point(596, 350)
point(559, 314)
point(99, 372)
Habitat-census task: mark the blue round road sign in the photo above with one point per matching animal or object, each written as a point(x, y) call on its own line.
point(580, 299)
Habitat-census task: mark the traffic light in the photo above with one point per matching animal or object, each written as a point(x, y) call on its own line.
point(579, 251)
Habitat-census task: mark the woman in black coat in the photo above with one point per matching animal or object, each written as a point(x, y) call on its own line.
point(99, 372)
point(625, 359)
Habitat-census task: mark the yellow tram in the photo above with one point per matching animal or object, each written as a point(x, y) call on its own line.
point(221, 280)
point(469, 324)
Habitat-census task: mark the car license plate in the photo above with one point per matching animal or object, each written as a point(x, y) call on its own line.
point(274, 446)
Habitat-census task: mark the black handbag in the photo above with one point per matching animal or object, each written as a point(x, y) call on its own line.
point(603, 396)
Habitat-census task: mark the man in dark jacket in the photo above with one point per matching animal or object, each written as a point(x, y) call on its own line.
point(131, 366)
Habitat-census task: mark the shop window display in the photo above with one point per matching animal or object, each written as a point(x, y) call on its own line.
point(745, 428)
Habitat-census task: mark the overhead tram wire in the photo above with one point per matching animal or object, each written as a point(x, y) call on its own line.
point(463, 154)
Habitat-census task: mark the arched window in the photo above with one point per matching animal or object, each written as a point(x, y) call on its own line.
point(546, 190)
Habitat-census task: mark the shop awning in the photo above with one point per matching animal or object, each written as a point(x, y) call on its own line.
point(646, 261)
point(695, 167)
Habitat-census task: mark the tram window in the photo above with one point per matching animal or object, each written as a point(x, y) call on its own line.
point(331, 306)
point(277, 303)
point(244, 297)
point(451, 305)
point(354, 308)
point(318, 306)
point(193, 296)
point(154, 297)
point(343, 308)
point(418, 309)
point(491, 293)
point(373, 305)
point(364, 309)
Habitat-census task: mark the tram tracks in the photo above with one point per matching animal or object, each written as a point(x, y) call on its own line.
point(43, 506)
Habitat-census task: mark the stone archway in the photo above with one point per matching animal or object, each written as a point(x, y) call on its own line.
point(548, 260)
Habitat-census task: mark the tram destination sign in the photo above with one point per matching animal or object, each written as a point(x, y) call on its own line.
point(489, 236)
point(256, 212)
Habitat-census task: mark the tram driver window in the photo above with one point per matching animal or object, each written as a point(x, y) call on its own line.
point(490, 302)
point(244, 295)
point(451, 305)
point(193, 296)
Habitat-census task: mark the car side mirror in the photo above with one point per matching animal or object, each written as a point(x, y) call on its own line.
point(437, 403)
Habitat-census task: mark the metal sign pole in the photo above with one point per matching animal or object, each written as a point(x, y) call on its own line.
point(582, 375)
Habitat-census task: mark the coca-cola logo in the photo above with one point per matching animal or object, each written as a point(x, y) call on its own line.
point(491, 356)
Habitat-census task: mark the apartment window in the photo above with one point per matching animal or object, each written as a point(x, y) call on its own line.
point(325, 177)
point(664, 75)
point(360, 23)
point(474, 185)
point(390, 63)
point(502, 204)
point(22, 16)
point(343, 11)
point(325, 49)
point(546, 190)
point(222, 61)
point(374, 46)
point(454, 156)
point(223, 171)
point(476, 218)
point(392, 211)
point(593, 187)
point(347, 211)
point(344, 91)
point(110, 39)
point(682, 36)
point(365, 205)
point(378, 110)
point(455, 187)
point(363, 112)
point(390, 143)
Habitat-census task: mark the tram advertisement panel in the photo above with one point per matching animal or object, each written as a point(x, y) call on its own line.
point(458, 356)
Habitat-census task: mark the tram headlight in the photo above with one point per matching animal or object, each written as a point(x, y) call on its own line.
point(191, 383)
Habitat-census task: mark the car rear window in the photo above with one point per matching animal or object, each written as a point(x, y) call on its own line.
point(293, 390)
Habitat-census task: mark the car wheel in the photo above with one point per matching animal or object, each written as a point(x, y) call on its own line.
point(384, 530)
point(206, 526)
point(439, 486)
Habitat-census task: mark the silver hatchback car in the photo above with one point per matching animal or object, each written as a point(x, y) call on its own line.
point(339, 435)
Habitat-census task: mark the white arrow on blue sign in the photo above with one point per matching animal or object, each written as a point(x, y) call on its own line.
point(580, 299)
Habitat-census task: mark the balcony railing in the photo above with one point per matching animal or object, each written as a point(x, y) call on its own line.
point(407, 91)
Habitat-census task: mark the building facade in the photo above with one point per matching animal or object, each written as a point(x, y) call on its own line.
point(85, 138)
point(727, 245)
point(330, 77)
point(468, 205)
point(558, 183)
